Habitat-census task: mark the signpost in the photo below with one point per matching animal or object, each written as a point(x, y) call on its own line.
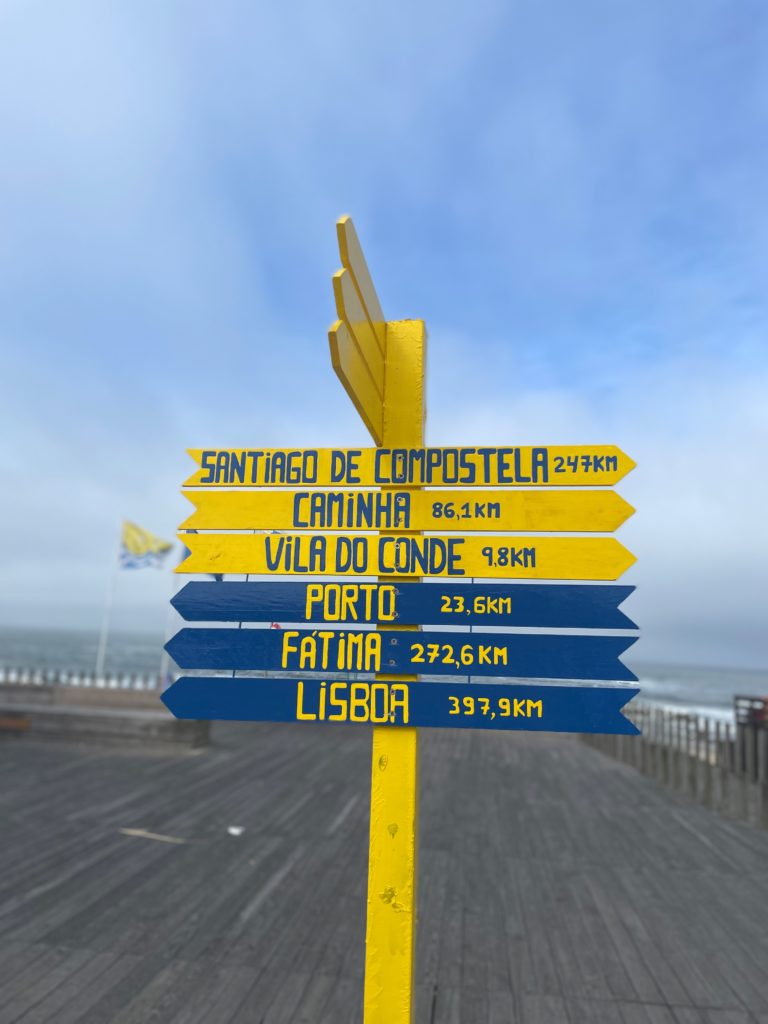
point(517, 655)
point(404, 703)
point(594, 511)
point(410, 465)
point(388, 554)
point(361, 529)
point(563, 606)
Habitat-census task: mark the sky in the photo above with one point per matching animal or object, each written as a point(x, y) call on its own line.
point(571, 195)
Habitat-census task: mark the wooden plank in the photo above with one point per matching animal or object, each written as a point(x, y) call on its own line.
point(390, 929)
point(597, 511)
point(501, 655)
point(543, 1009)
point(223, 998)
point(350, 310)
point(519, 837)
point(81, 993)
point(492, 557)
point(407, 465)
point(402, 703)
point(354, 261)
point(600, 1011)
point(644, 1013)
point(353, 372)
point(560, 606)
point(66, 988)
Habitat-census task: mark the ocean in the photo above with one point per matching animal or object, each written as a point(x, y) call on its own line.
point(708, 691)
point(75, 650)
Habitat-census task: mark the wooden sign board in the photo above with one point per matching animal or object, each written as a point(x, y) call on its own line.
point(561, 606)
point(587, 709)
point(541, 466)
point(595, 511)
point(497, 557)
point(364, 512)
point(521, 656)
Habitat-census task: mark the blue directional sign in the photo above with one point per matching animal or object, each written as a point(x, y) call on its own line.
point(517, 655)
point(582, 709)
point(549, 605)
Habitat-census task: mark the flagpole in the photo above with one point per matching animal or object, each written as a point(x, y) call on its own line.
point(108, 601)
point(165, 658)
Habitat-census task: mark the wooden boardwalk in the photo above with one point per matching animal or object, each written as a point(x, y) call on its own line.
point(556, 885)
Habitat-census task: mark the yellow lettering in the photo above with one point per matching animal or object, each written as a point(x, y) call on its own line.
point(314, 596)
point(301, 715)
point(355, 652)
point(537, 706)
point(348, 601)
point(367, 590)
point(373, 652)
point(331, 606)
point(379, 690)
point(519, 707)
point(398, 701)
point(288, 646)
point(341, 651)
point(358, 702)
point(386, 604)
point(307, 652)
point(325, 636)
point(337, 702)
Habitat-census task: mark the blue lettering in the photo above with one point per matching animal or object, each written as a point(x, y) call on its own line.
point(338, 466)
point(353, 466)
point(468, 465)
point(208, 463)
point(273, 561)
point(343, 554)
point(299, 520)
point(540, 468)
point(521, 479)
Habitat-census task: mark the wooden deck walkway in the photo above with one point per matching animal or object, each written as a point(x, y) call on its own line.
point(556, 885)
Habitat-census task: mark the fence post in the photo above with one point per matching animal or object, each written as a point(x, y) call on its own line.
point(679, 754)
point(750, 766)
point(761, 785)
point(708, 779)
point(718, 800)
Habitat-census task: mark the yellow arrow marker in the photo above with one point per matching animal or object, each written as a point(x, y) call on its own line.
point(355, 374)
point(494, 557)
point(595, 511)
point(542, 466)
point(350, 310)
point(353, 260)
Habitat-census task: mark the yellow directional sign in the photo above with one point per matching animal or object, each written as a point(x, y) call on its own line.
point(390, 516)
point(530, 466)
point(357, 377)
point(594, 511)
point(353, 260)
point(499, 557)
point(358, 338)
point(350, 309)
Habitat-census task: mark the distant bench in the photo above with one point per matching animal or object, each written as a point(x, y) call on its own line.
point(14, 721)
point(120, 718)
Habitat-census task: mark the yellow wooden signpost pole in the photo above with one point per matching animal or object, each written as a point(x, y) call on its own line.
point(391, 921)
point(382, 367)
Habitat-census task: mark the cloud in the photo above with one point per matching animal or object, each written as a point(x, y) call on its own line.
point(698, 430)
point(570, 195)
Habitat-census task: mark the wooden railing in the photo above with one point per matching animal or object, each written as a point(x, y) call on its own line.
point(42, 677)
point(721, 764)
